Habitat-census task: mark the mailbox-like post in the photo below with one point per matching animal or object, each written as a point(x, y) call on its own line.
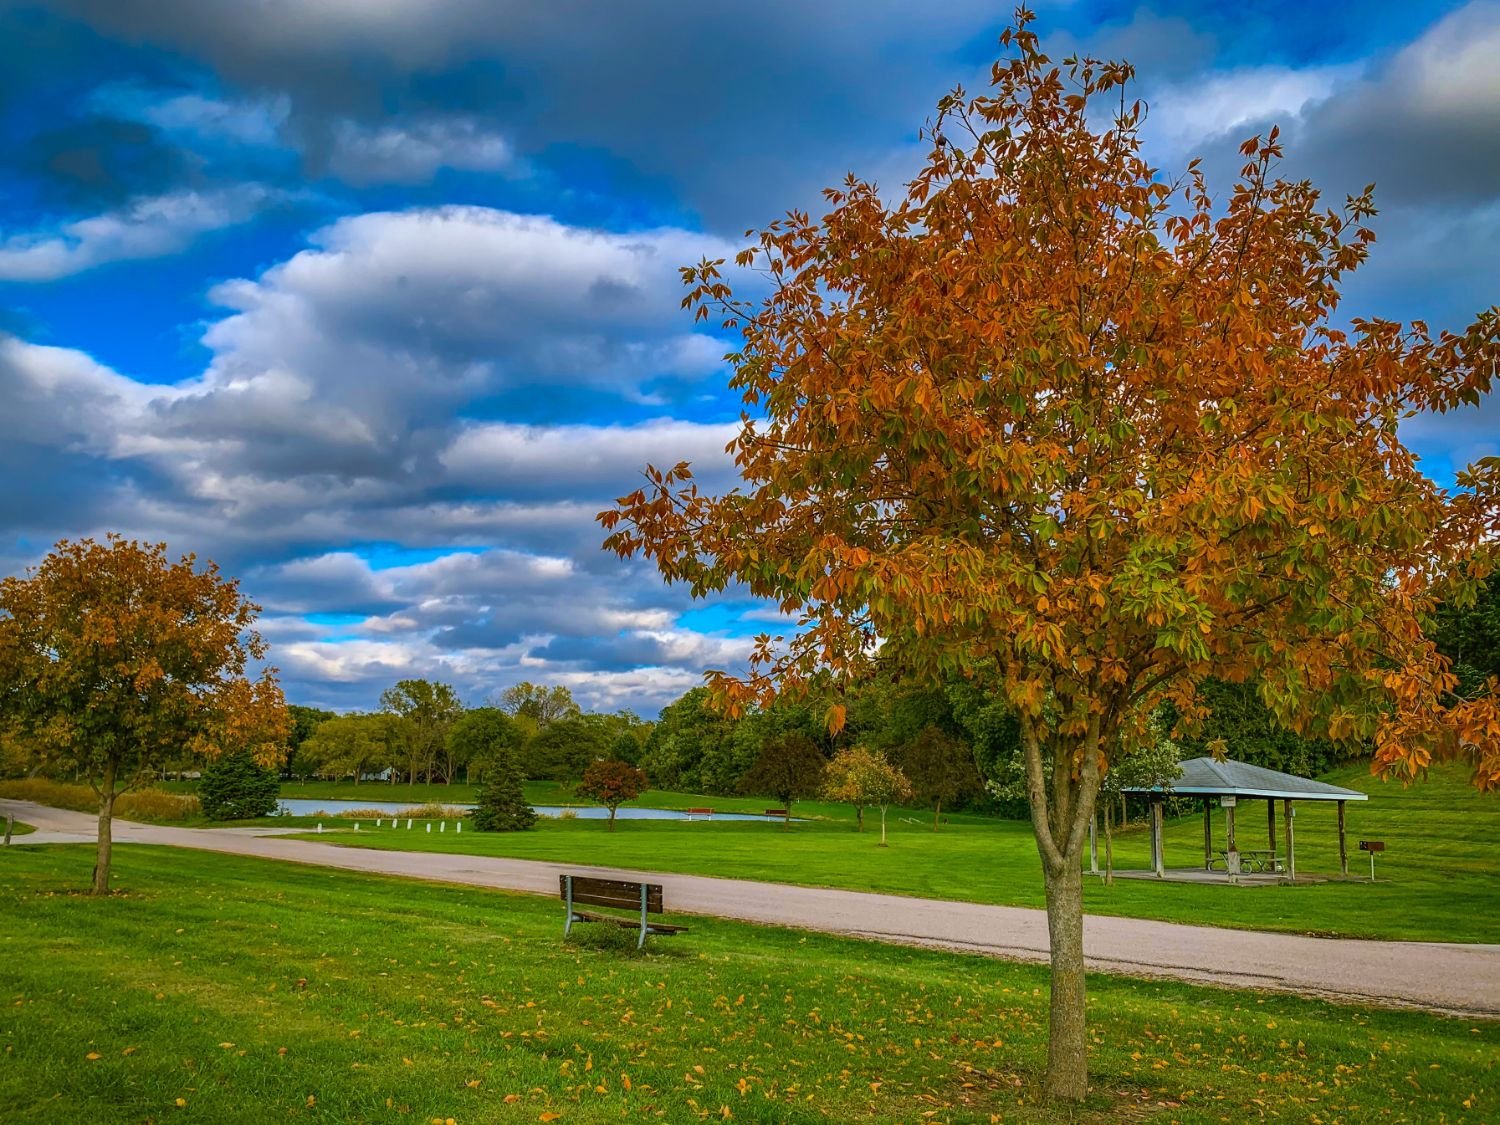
point(1372, 846)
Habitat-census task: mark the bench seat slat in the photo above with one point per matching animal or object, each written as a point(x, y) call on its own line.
point(629, 923)
point(614, 893)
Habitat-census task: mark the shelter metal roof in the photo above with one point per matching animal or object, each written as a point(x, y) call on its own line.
point(1224, 777)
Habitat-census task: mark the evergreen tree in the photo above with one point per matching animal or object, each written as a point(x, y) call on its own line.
point(236, 787)
point(502, 806)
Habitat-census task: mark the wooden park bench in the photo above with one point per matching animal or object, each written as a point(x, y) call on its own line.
point(783, 813)
point(617, 894)
point(700, 812)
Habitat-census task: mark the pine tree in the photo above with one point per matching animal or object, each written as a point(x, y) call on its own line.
point(236, 787)
point(502, 806)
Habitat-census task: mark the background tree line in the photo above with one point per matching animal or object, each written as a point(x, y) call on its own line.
point(958, 746)
point(424, 733)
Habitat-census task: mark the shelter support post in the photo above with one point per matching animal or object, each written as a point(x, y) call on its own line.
point(1231, 849)
point(1157, 858)
point(1208, 833)
point(1291, 841)
point(1271, 828)
point(1343, 848)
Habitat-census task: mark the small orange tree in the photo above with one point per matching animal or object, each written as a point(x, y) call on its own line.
point(612, 784)
point(114, 662)
point(1055, 423)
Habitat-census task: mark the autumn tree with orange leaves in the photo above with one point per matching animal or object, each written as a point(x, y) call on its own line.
point(1080, 433)
point(115, 661)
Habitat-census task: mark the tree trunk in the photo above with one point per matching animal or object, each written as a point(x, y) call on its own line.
point(937, 812)
point(1061, 810)
point(611, 818)
point(106, 841)
point(1067, 1050)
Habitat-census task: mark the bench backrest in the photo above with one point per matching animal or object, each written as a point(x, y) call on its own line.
point(778, 812)
point(618, 893)
point(699, 812)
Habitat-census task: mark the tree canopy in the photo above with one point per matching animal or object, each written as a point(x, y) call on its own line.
point(612, 783)
point(424, 710)
point(481, 737)
point(1090, 434)
point(115, 661)
point(787, 768)
point(541, 703)
point(354, 745)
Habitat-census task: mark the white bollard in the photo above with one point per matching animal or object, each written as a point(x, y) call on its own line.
point(408, 824)
point(459, 827)
point(356, 826)
point(429, 826)
point(443, 827)
point(377, 822)
point(320, 828)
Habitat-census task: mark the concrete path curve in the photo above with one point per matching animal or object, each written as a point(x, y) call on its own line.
point(1442, 977)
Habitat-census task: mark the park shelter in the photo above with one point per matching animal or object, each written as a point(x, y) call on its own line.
point(1233, 784)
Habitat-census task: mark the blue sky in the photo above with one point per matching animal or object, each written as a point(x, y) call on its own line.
point(376, 301)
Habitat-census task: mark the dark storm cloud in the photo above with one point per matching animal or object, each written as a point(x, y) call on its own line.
point(747, 110)
point(101, 161)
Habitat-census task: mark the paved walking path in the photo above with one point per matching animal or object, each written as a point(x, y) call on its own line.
point(1453, 978)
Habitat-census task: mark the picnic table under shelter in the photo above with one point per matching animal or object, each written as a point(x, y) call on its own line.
point(1231, 784)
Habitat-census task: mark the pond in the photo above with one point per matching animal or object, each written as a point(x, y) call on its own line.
point(293, 806)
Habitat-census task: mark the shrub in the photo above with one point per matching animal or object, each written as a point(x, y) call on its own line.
point(235, 787)
point(157, 804)
point(502, 806)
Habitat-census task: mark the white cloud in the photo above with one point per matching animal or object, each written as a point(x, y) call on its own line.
point(411, 152)
point(415, 310)
point(605, 458)
point(256, 121)
point(146, 228)
point(1451, 69)
point(1208, 106)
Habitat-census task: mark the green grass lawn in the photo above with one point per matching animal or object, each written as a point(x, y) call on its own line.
point(1439, 880)
point(18, 829)
point(222, 990)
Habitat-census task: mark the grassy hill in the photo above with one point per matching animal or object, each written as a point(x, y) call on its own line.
point(223, 990)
